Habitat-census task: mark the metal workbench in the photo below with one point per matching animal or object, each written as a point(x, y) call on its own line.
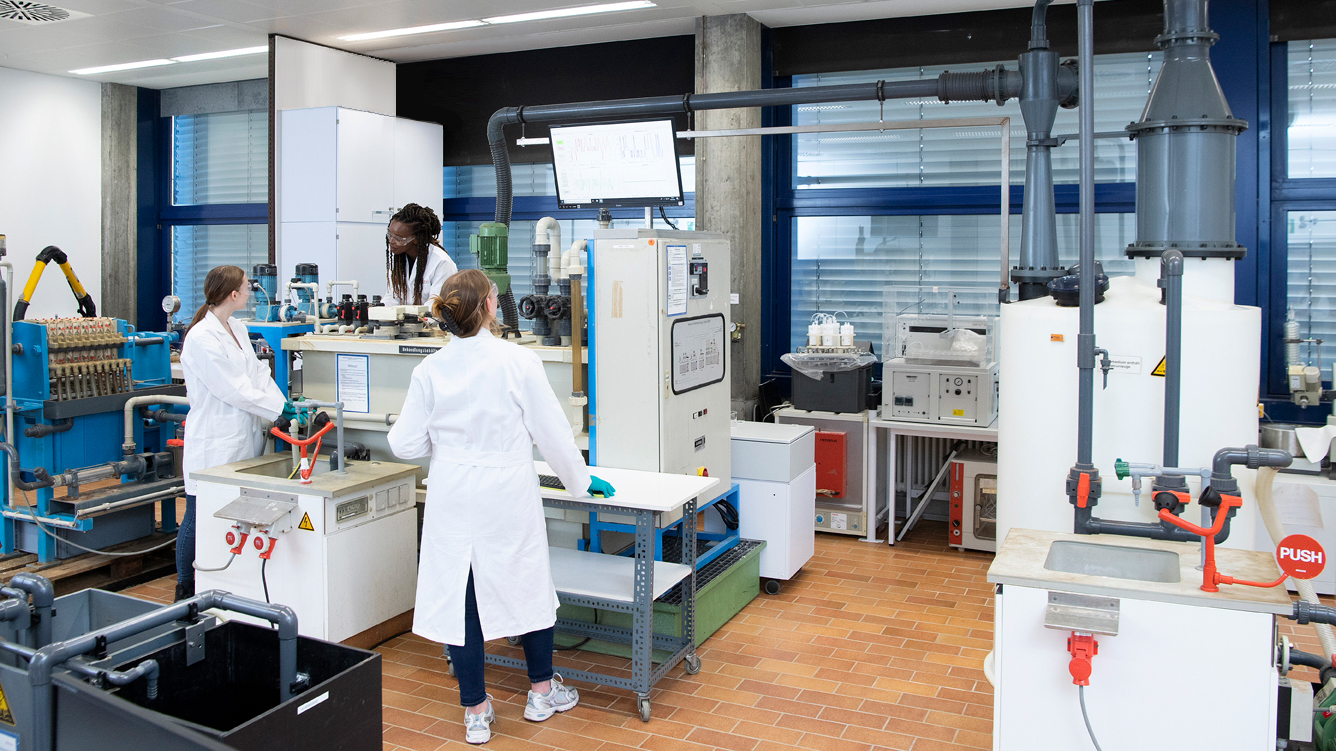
point(630, 585)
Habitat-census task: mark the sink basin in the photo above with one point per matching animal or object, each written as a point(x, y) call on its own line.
point(1115, 561)
point(281, 466)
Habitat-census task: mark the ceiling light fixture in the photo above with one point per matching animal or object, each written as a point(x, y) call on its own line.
point(120, 66)
point(451, 26)
point(582, 10)
point(224, 53)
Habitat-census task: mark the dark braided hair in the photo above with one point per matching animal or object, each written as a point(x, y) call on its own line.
point(426, 232)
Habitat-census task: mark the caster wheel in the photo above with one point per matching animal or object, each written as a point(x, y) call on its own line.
point(644, 709)
point(771, 587)
point(450, 668)
point(691, 664)
point(512, 640)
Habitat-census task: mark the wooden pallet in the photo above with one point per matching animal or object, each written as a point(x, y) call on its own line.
point(89, 570)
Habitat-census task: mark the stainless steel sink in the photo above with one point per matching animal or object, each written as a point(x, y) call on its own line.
point(1115, 561)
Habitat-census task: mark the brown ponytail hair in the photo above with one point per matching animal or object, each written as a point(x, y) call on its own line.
point(220, 282)
point(463, 301)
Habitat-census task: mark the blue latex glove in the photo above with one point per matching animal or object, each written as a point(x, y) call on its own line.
point(600, 488)
point(290, 413)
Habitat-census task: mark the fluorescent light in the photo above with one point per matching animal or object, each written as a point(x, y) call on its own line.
point(582, 10)
point(411, 30)
point(224, 53)
point(120, 66)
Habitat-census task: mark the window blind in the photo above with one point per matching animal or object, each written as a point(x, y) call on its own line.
point(1311, 282)
point(1311, 132)
point(220, 158)
point(845, 263)
point(199, 247)
point(529, 179)
point(960, 156)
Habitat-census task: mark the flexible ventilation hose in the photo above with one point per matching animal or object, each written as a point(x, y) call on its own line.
point(1266, 476)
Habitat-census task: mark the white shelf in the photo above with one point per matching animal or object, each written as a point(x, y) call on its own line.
point(607, 577)
point(639, 491)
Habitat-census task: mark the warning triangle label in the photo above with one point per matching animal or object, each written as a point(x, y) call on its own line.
point(5, 715)
point(1159, 369)
point(306, 523)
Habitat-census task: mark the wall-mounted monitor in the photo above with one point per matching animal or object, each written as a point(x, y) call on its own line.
point(616, 165)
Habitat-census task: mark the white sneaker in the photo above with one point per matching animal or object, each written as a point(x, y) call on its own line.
point(557, 699)
point(478, 727)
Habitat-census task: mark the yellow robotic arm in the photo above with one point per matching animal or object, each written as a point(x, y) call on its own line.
point(50, 253)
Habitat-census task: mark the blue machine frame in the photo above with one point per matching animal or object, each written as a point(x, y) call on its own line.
point(94, 437)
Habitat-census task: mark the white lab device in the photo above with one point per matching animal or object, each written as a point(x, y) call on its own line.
point(342, 549)
point(774, 467)
point(660, 335)
point(940, 369)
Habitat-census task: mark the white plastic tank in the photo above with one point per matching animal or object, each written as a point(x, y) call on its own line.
point(1038, 400)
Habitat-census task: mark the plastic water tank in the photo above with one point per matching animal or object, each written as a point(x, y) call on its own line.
point(1038, 400)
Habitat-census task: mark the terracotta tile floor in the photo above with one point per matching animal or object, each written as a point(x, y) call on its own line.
point(869, 646)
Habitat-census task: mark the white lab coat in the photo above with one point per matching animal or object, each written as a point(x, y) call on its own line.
point(233, 399)
point(478, 406)
point(439, 268)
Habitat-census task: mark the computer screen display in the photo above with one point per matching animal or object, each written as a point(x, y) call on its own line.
point(617, 165)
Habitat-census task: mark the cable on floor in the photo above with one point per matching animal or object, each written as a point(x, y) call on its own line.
point(1086, 716)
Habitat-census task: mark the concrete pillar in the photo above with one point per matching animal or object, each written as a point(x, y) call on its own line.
point(120, 203)
point(728, 182)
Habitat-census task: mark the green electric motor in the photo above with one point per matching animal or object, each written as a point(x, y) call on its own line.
point(489, 245)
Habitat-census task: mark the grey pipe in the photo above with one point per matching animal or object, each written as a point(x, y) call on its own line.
point(1171, 278)
point(42, 431)
point(147, 669)
point(43, 598)
point(161, 415)
point(46, 660)
point(1039, 25)
point(1308, 659)
point(338, 430)
point(1251, 456)
point(14, 470)
point(989, 85)
point(1085, 354)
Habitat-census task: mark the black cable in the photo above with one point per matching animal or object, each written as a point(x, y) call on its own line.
point(574, 646)
point(1086, 717)
point(727, 513)
point(264, 580)
point(666, 220)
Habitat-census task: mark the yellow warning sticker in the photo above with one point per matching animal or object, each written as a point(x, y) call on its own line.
point(1159, 369)
point(6, 716)
point(306, 523)
point(957, 413)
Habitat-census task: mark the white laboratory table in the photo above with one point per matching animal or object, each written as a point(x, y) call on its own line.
point(893, 429)
point(630, 585)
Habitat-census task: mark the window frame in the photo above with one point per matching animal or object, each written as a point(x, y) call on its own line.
point(1286, 195)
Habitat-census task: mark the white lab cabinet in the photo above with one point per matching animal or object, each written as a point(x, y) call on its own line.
point(342, 174)
point(774, 467)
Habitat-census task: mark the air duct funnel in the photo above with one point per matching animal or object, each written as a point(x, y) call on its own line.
point(1186, 147)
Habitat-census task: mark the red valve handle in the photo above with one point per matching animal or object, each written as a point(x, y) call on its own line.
point(176, 442)
point(302, 442)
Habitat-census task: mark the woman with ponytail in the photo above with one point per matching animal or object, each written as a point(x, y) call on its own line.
point(233, 399)
point(415, 263)
point(477, 407)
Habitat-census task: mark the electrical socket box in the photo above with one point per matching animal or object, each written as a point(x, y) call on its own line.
point(660, 313)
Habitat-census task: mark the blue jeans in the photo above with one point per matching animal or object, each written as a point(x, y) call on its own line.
point(185, 545)
point(468, 659)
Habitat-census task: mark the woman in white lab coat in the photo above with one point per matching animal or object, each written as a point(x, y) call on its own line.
point(477, 407)
point(415, 263)
point(233, 399)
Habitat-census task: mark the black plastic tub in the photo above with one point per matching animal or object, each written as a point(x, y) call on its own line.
point(233, 693)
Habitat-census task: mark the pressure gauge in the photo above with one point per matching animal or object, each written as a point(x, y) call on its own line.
point(171, 304)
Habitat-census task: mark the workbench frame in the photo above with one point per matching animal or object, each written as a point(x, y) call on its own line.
point(641, 636)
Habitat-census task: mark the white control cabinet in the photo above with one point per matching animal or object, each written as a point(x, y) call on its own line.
point(660, 336)
point(342, 174)
point(774, 467)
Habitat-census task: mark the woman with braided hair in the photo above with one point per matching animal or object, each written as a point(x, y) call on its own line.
point(415, 263)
